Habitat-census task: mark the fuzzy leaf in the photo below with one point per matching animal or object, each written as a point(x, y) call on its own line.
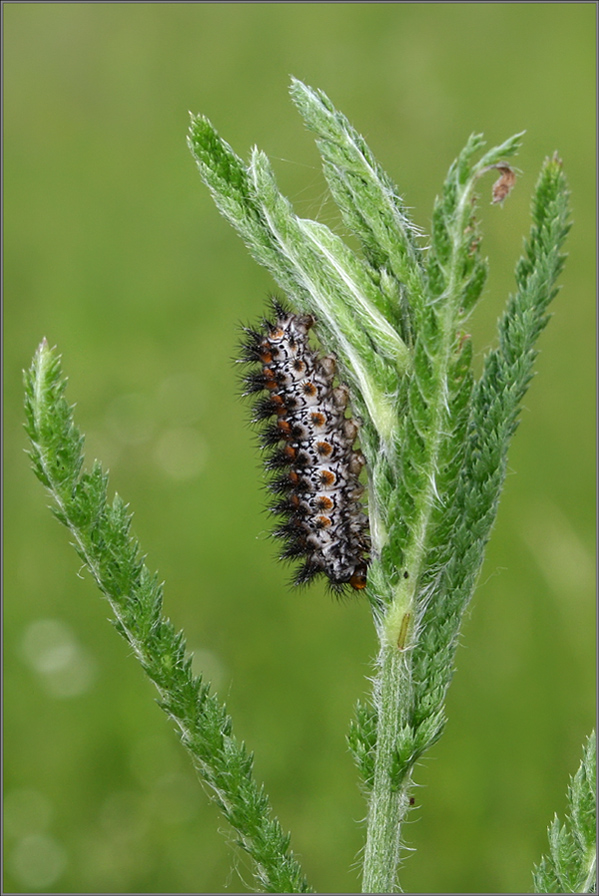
point(103, 540)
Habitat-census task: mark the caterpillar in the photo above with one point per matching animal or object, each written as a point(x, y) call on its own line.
point(312, 465)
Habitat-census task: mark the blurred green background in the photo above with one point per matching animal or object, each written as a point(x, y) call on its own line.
point(115, 252)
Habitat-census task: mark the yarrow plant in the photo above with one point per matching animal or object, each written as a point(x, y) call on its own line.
point(434, 440)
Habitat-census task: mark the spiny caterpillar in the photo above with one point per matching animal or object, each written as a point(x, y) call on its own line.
point(314, 467)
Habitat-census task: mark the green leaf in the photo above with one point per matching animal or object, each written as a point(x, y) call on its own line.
point(103, 540)
point(571, 866)
point(367, 197)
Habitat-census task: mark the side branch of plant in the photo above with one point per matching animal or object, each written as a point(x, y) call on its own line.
point(104, 542)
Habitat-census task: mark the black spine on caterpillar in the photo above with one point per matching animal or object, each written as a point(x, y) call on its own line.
point(314, 467)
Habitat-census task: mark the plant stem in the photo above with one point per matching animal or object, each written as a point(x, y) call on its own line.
point(388, 803)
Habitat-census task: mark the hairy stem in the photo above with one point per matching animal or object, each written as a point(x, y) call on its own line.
point(388, 800)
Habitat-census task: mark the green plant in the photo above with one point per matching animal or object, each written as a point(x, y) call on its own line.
point(571, 866)
point(435, 441)
point(103, 541)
